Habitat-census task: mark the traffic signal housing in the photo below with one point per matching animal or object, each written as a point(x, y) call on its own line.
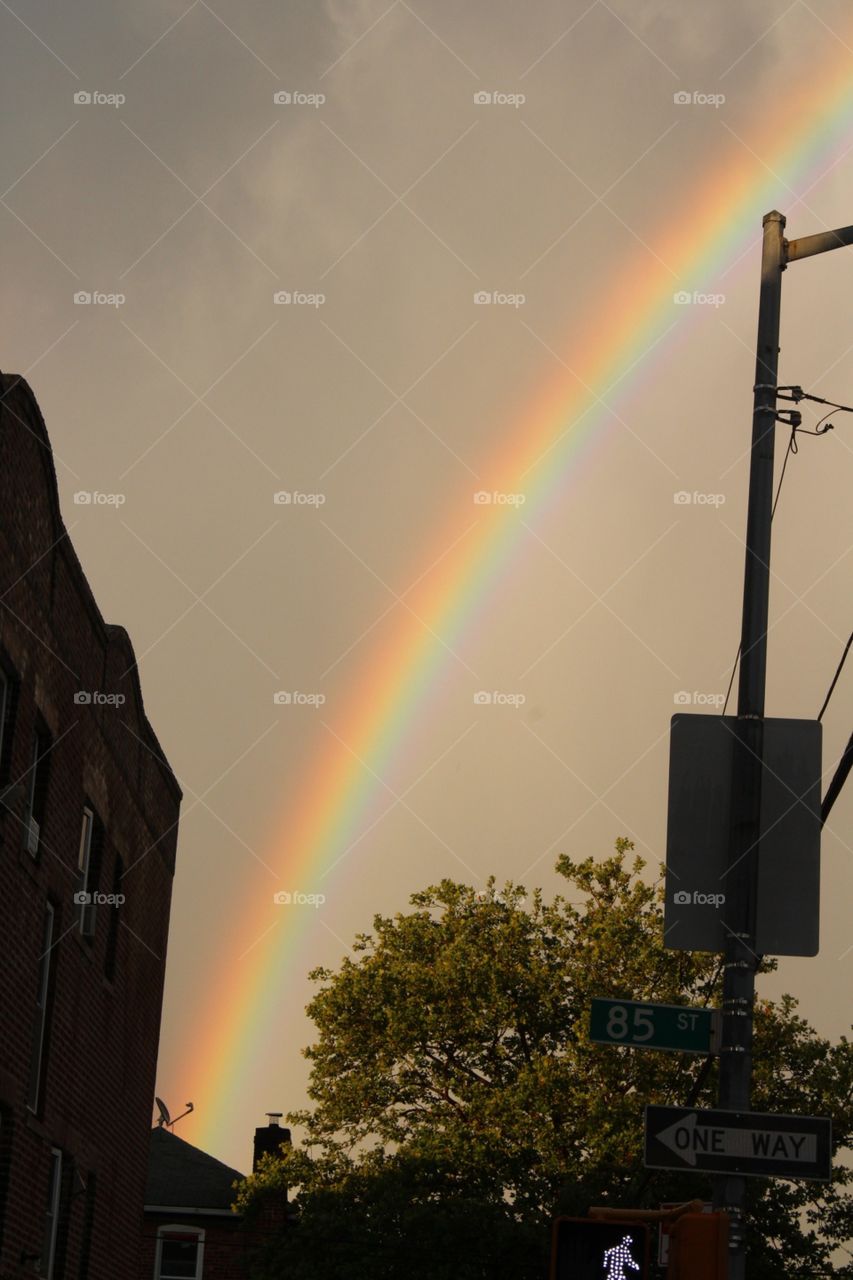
point(699, 1247)
point(593, 1249)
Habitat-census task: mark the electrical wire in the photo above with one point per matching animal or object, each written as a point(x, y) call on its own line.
point(797, 394)
point(835, 677)
point(839, 778)
point(792, 448)
point(731, 680)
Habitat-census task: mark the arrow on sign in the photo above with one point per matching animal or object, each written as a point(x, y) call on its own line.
point(745, 1142)
point(687, 1139)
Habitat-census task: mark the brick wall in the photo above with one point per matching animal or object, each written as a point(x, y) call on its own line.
point(228, 1246)
point(106, 991)
point(225, 1247)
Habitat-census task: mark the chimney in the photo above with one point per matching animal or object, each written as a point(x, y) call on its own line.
point(269, 1138)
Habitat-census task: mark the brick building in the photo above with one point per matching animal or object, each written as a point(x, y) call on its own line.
point(88, 828)
point(189, 1230)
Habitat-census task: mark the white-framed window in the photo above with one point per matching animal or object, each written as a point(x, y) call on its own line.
point(85, 888)
point(180, 1253)
point(51, 1221)
point(42, 999)
point(34, 816)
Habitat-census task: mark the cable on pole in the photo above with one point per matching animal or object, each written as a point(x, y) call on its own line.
point(839, 778)
point(835, 677)
point(793, 420)
point(792, 448)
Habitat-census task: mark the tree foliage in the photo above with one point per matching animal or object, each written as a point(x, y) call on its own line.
point(458, 1103)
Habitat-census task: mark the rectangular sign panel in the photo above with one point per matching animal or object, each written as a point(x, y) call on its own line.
point(698, 835)
point(751, 1143)
point(589, 1248)
point(652, 1026)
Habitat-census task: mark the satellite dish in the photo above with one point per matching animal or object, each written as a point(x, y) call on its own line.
point(165, 1117)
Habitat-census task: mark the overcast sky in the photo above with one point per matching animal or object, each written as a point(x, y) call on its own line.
point(382, 197)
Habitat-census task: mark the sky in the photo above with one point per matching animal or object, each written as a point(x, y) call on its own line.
point(471, 289)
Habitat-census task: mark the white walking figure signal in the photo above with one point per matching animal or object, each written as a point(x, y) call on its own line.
point(617, 1259)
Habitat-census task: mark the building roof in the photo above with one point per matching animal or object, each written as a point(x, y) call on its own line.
point(23, 416)
point(181, 1176)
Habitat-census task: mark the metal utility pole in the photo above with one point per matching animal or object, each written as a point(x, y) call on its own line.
point(740, 959)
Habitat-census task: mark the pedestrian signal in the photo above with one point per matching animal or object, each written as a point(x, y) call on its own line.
point(592, 1249)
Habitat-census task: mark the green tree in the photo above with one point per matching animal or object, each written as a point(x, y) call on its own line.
point(459, 1103)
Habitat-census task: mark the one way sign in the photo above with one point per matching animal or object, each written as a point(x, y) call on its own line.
point(738, 1142)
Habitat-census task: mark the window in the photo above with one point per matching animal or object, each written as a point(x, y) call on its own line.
point(88, 872)
point(83, 891)
point(34, 817)
point(51, 1221)
point(40, 1032)
point(179, 1253)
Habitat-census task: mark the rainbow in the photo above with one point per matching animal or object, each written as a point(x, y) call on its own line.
point(341, 796)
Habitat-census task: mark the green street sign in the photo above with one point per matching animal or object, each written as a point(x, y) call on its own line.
point(654, 1026)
